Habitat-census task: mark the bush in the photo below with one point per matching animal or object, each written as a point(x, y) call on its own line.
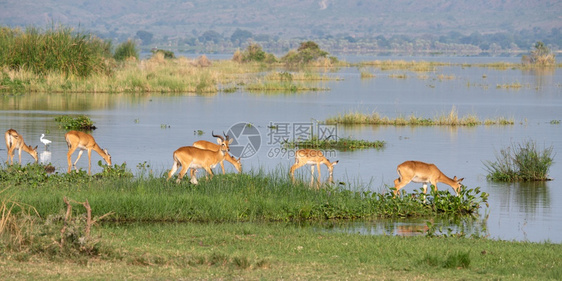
point(253, 53)
point(126, 50)
point(542, 55)
point(522, 162)
point(306, 53)
point(167, 54)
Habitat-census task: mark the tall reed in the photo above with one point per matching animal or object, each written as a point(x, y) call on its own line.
point(57, 49)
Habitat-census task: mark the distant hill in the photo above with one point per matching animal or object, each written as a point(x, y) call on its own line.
point(286, 18)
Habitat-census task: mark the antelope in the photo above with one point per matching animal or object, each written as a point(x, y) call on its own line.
point(420, 172)
point(189, 157)
point(83, 141)
point(213, 146)
point(15, 141)
point(312, 157)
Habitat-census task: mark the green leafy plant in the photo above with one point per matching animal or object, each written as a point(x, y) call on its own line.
point(80, 122)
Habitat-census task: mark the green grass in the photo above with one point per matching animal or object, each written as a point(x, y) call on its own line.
point(253, 196)
point(281, 251)
point(247, 226)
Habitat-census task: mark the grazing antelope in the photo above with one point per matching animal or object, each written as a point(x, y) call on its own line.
point(189, 157)
point(83, 141)
point(420, 172)
point(15, 141)
point(312, 157)
point(213, 146)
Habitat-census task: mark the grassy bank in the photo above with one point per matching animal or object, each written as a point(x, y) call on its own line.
point(280, 251)
point(253, 196)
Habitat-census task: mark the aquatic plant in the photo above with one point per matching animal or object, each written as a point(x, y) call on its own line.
point(520, 162)
point(80, 122)
point(336, 143)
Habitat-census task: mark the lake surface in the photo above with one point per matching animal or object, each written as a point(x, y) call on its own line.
point(148, 128)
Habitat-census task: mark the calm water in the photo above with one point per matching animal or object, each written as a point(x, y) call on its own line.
point(148, 128)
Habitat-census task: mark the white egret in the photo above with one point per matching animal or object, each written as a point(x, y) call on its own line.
point(44, 141)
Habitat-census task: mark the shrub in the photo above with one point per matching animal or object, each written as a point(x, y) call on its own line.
point(521, 162)
point(542, 55)
point(306, 53)
point(126, 50)
point(167, 54)
point(253, 53)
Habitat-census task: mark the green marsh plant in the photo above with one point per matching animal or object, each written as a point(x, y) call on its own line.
point(80, 122)
point(339, 144)
point(521, 162)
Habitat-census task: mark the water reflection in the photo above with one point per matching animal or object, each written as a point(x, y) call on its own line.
point(68, 102)
point(45, 157)
point(543, 76)
point(465, 226)
point(532, 198)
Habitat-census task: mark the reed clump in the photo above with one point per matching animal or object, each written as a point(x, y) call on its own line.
point(57, 49)
point(520, 162)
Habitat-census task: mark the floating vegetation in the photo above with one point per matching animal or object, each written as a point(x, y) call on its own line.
point(417, 66)
point(281, 86)
point(339, 144)
point(554, 122)
point(80, 122)
point(398, 75)
point(298, 76)
point(520, 162)
point(514, 85)
point(445, 77)
point(450, 119)
point(365, 75)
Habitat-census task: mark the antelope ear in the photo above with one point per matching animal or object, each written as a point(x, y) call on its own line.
point(460, 180)
point(337, 161)
point(34, 148)
point(230, 141)
point(219, 141)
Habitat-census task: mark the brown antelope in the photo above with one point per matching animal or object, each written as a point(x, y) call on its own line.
point(83, 141)
point(15, 141)
point(189, 157)
point(312, 157)
point(213, 146)
point(420, 172)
